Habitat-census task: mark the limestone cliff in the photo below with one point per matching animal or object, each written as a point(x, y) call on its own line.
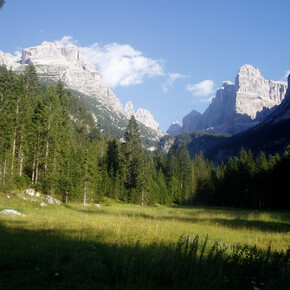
point(55, 61)
point(237, 107)
point(141, 115)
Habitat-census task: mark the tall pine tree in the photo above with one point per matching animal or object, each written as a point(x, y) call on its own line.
point(133, 161)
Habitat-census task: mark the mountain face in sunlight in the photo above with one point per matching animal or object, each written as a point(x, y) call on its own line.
point(54, 61)
point(238, 106)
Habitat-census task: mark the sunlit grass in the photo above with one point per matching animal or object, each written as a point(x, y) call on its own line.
point(123, 223)
point(119, 244)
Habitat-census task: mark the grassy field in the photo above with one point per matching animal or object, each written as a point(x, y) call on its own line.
point(121, 246)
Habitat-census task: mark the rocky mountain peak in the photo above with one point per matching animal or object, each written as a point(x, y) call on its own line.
point(254, 93)
point(236, 107)
point(249, 79)
point(146, 118)
point(192, 121)
point(247, 72)
point(174, 128)
point(7, 59)
point(129, 110)
point(140, 115)
point(55, 52)
point(55, 61)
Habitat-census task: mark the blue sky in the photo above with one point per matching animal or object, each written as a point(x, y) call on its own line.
point(165, 56)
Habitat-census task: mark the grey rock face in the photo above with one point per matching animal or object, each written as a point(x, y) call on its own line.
point(54, 61)
point(174, 128)
point(192, 122)
point(141, 115)
point(146, 118)
point(237, 107)
point(221, 110)
point(129, 110)
point(283, 111)
point(254, 93)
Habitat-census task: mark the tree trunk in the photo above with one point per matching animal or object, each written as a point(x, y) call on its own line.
point(36, 168)
point(47, 142)
point(35, 165)
point(86, 180)
point(21, 158)
point(46, 152)
point(143, 199)
point(33, 170)
point(14, 137)
point(4, 171)
point(85, 193)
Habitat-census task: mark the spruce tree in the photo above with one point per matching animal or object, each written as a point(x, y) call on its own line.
point(184, 170)
point(132, 159)
point(113, 158)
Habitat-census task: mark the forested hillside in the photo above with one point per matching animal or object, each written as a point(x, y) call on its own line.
point(49, 141)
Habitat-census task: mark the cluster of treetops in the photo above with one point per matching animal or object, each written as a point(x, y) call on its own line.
point(49, 141)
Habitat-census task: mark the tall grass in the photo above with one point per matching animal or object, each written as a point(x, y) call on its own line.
point(128, 247)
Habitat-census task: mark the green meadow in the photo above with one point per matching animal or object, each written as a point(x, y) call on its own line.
point(123, 246)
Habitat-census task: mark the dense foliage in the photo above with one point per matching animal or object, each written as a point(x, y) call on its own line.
point(260, 183)
point(49, 140)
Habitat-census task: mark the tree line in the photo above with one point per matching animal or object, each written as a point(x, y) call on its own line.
point(49, 141)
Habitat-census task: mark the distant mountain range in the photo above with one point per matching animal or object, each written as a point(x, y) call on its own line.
point(236, 107)
point(272, 135)
point(54, 61)
point(254, 110)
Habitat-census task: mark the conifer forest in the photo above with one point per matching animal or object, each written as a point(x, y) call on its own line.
point(49, 141)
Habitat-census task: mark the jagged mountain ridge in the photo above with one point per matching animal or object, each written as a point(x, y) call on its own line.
point(270, 136)
point(283, 110)
point(237, 107)
point(57, 62)
point(141, 115)
point(54, 61)
point(174, 128)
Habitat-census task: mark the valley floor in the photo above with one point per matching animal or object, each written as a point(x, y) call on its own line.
point(121, 246)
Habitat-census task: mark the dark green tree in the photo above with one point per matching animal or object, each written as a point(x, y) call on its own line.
point(205, 176)
point(133, 159)
point(113, 158)
point(184, 172)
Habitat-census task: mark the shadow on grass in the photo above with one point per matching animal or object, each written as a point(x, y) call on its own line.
point(54, 260)
point(276, 227)
point(232, 211)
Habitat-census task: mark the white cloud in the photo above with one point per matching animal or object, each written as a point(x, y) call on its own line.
point(67, 40)
point(18, 53)
point(172, 77)
point(207, 100)
point(121, 64)
point(202, 89)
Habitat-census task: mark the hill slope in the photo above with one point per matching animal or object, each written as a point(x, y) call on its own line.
point(271, 136)
point(54, 61)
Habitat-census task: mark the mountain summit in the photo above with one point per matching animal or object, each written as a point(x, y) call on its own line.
point(237, 107)
point(141, 115)
point(254, 93)
point(54, 61)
